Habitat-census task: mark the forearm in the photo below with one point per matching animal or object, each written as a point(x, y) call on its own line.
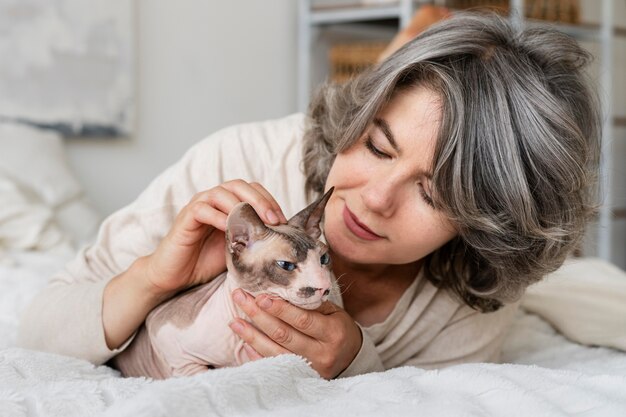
point(69, 318)
point(66, 319)
point(126, 302)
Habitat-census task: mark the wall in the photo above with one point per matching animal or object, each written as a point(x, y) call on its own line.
point(201, 66)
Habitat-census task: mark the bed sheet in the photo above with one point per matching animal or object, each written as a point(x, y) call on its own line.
point(544, 375)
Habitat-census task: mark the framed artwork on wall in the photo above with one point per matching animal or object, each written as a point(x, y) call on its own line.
point(68, 65)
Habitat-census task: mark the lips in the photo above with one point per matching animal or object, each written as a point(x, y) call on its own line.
point(356, 227)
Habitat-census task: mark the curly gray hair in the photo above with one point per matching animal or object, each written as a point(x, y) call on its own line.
point(517, 152)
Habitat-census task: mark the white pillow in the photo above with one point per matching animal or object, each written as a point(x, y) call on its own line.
point(79, 220)
point(585, 300)
point(25, 222)
point(37, 160)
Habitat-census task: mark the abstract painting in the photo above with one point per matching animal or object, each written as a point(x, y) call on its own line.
point(68, 65)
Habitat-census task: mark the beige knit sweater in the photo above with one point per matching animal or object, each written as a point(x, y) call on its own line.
point(427, 328)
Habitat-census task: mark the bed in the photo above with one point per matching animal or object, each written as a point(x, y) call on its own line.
point(550, 364)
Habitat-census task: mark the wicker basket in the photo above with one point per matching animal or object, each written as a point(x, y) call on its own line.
point(564, 11)
point(347, 60)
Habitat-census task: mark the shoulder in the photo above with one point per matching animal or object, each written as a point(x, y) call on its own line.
point(439, 311)
point(272, 134)
point(248, 150)
point(461, 315)
point(268, 152)
point(451, 332)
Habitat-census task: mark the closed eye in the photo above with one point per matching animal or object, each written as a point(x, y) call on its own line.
point(287, 266)
point(369, 144)
point(427, 199)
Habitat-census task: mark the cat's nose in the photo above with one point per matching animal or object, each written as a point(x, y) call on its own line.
point(307, 292)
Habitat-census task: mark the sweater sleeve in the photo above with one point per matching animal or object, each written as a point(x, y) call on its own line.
point(66, 317)
point(470, 336)
point(366, 360)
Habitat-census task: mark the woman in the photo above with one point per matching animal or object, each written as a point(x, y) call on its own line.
point(463, 168)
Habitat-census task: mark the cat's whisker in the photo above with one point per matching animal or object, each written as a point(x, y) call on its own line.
point(343, 290)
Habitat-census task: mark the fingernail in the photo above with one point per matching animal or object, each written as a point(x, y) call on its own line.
point(250, 351)
point(271, 216)
point(236, 326)
point(264, 302)
point(238, 297)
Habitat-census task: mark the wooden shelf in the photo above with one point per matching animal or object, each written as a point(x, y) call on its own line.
point(321, 15)
point(580, 31)
point(330, 14)
point(619, 213)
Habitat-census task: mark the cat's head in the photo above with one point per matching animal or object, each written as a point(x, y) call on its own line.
point(286, 260)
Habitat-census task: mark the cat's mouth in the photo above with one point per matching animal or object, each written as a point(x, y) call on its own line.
point(307, 305)
point(311, 305)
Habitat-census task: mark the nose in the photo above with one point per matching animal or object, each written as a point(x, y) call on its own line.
point(379, 195)
point(308, 292)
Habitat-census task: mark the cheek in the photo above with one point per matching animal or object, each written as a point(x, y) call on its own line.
point(338, 178)
point(428, 232)
point(348, 167)
point(335, 174)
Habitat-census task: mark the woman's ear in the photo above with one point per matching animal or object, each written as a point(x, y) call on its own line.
point(309, 218)
point(243, 228)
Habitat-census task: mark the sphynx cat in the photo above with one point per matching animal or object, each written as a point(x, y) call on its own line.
point(189, 334)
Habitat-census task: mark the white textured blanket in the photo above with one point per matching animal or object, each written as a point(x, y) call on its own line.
point(547, 376)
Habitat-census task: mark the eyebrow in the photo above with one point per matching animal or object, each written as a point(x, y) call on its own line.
point(382, 125)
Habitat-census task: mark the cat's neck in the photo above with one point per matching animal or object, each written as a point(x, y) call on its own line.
point(231, 282)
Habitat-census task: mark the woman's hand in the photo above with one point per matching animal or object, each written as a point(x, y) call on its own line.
point(327, 336)
point(193, 250)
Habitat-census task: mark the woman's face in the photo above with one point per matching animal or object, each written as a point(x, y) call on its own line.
point(381, 211)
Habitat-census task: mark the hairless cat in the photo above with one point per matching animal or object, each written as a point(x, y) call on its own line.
point(189, 334)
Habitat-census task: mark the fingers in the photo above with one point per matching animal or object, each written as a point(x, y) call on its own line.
point(253, 355)
point(273, 328)
point(260, 199)
point(307, 321)
point(337, 347)
point(270, 198)
point(225, 196)
point(201, 213)
point(211, 208)
point(257, 341)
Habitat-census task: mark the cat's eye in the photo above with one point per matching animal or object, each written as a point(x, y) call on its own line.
point(325, 259)
point(287, 266)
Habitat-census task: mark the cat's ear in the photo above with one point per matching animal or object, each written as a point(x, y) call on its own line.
point(309, 218)
point(243, 227)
